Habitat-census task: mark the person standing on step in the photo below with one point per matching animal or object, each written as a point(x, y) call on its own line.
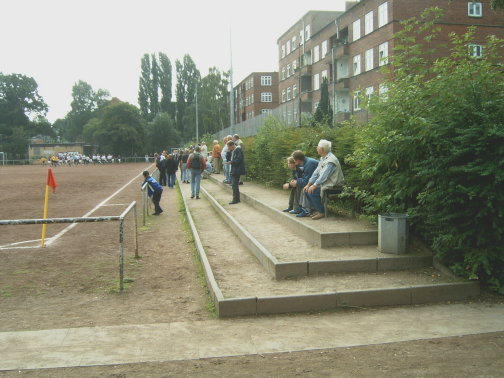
point(196, 165)
point(171, 171)
point(238, 142)
point(226, 156)
point(237, 163)
point(184, 172)
point(216, 153)
point(154, 190)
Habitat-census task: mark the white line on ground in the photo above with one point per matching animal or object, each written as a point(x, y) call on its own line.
point(69, 227)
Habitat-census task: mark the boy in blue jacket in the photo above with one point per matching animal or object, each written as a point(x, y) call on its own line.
point(154, 190)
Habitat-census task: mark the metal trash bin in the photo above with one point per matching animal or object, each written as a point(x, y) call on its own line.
point(392, 233)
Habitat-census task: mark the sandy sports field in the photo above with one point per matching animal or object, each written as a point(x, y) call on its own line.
point(73, 281)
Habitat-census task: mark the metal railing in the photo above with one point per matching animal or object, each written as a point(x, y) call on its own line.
point(119, 218)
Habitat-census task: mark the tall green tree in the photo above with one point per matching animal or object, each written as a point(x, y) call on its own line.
point(161, 133)
point(85, 102)
point(497, 4)
point(188, 77)
point(19, 103)
point(118, 128)
point(324, 112)
point(212, 101)
point(144, 86)
point(165, 84)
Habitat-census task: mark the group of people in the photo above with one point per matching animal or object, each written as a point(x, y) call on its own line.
point(193, 162)
point(75, 158)
point(311, 180)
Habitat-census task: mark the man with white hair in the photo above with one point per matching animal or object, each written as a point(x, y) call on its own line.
point(328, 175)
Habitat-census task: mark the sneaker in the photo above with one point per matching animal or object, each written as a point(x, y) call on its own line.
point(156, 213)
point(197, 197)
point(289, 209)
point(318, 216)
point(192, 196)
point(296, 211)
point(303, 213)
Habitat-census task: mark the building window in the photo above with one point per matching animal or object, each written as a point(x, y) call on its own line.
point(383, 54)
point(324, 75)
point(289, 116)
point(307, 32)
point(316, 82)
point(294, 91)
point(301, 38)
point(251, 85)
point(283, 51)
point(368, 23)
point(382, 14)
point(266, 111)
point(252, 98)
point(293, 43)
point(369, 60)
point(316, 54)
point(474, 9)
point(266, 97)
point(294, 66)
point(265, 80)
point(382, 91)
point(356, 100)
point(369, 92)
point(356, 65)
point(283, 95)
point(356, 30)
point(288, 70)
point(288, 47)
point(476, 51)
point(324, 48)
point(283, 73)
point(289, 94)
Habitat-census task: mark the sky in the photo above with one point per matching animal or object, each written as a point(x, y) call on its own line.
point(59, 42)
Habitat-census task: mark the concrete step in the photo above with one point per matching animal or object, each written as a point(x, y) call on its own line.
point(285, 253)
point(326, 233)
point(239, 284)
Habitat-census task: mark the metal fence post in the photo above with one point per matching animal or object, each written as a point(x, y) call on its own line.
point(136, 231)
point(121, 254)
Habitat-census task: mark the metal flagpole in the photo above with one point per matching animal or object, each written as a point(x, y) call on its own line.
point(197, 127)
point(231, 91)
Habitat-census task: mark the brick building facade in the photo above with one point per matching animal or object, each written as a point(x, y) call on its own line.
point(256, 94)
point(348, 48)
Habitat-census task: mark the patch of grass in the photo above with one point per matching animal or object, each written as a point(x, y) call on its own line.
point(22, 271)
point(5, 293)
point(210, 306)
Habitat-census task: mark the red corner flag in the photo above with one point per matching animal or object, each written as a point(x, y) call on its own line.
point(51, 181)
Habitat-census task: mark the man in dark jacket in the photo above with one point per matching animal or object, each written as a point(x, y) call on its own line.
point(237, 169)
point(307, 166)
point(154, 190)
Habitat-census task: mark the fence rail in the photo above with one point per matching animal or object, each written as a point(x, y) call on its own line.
point(116, 218)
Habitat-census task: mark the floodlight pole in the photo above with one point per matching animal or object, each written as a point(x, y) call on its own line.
point(231, 91)
point(197, 127)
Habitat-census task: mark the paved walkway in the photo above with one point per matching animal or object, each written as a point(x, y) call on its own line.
point(246, 336)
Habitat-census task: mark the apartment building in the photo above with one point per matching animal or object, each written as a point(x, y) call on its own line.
point(256, 94)
point(348, 48)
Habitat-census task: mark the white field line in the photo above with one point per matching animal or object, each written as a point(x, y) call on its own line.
point(12, 245)
point(72, 225)
point(113, 204)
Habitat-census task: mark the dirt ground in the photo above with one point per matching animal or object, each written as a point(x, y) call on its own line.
point(73, 283)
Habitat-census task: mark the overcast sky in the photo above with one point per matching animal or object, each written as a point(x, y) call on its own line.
point(59, 42)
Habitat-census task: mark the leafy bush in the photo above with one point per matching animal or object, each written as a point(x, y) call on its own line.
point(435, 149)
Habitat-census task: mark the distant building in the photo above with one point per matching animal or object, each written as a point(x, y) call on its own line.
point(348, 48)
point(256, 94)
point(37, 150)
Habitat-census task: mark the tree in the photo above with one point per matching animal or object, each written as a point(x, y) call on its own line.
point(118, 128)
point(324, 113)
point(165, 84)
point(156, 81)
point(188, 78)
point(19, 99)
point(19, 102)
point(162, 133)
point(212, 101)
point(85, 102)
point(434, 149)
point(496, 4)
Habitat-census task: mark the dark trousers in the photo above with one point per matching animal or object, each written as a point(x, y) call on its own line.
point(162, 177)
point(235, 181)
point(156, 198)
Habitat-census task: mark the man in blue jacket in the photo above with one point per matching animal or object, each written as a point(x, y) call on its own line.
point(154, 190)
point(307, 165)
point(237, 163)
